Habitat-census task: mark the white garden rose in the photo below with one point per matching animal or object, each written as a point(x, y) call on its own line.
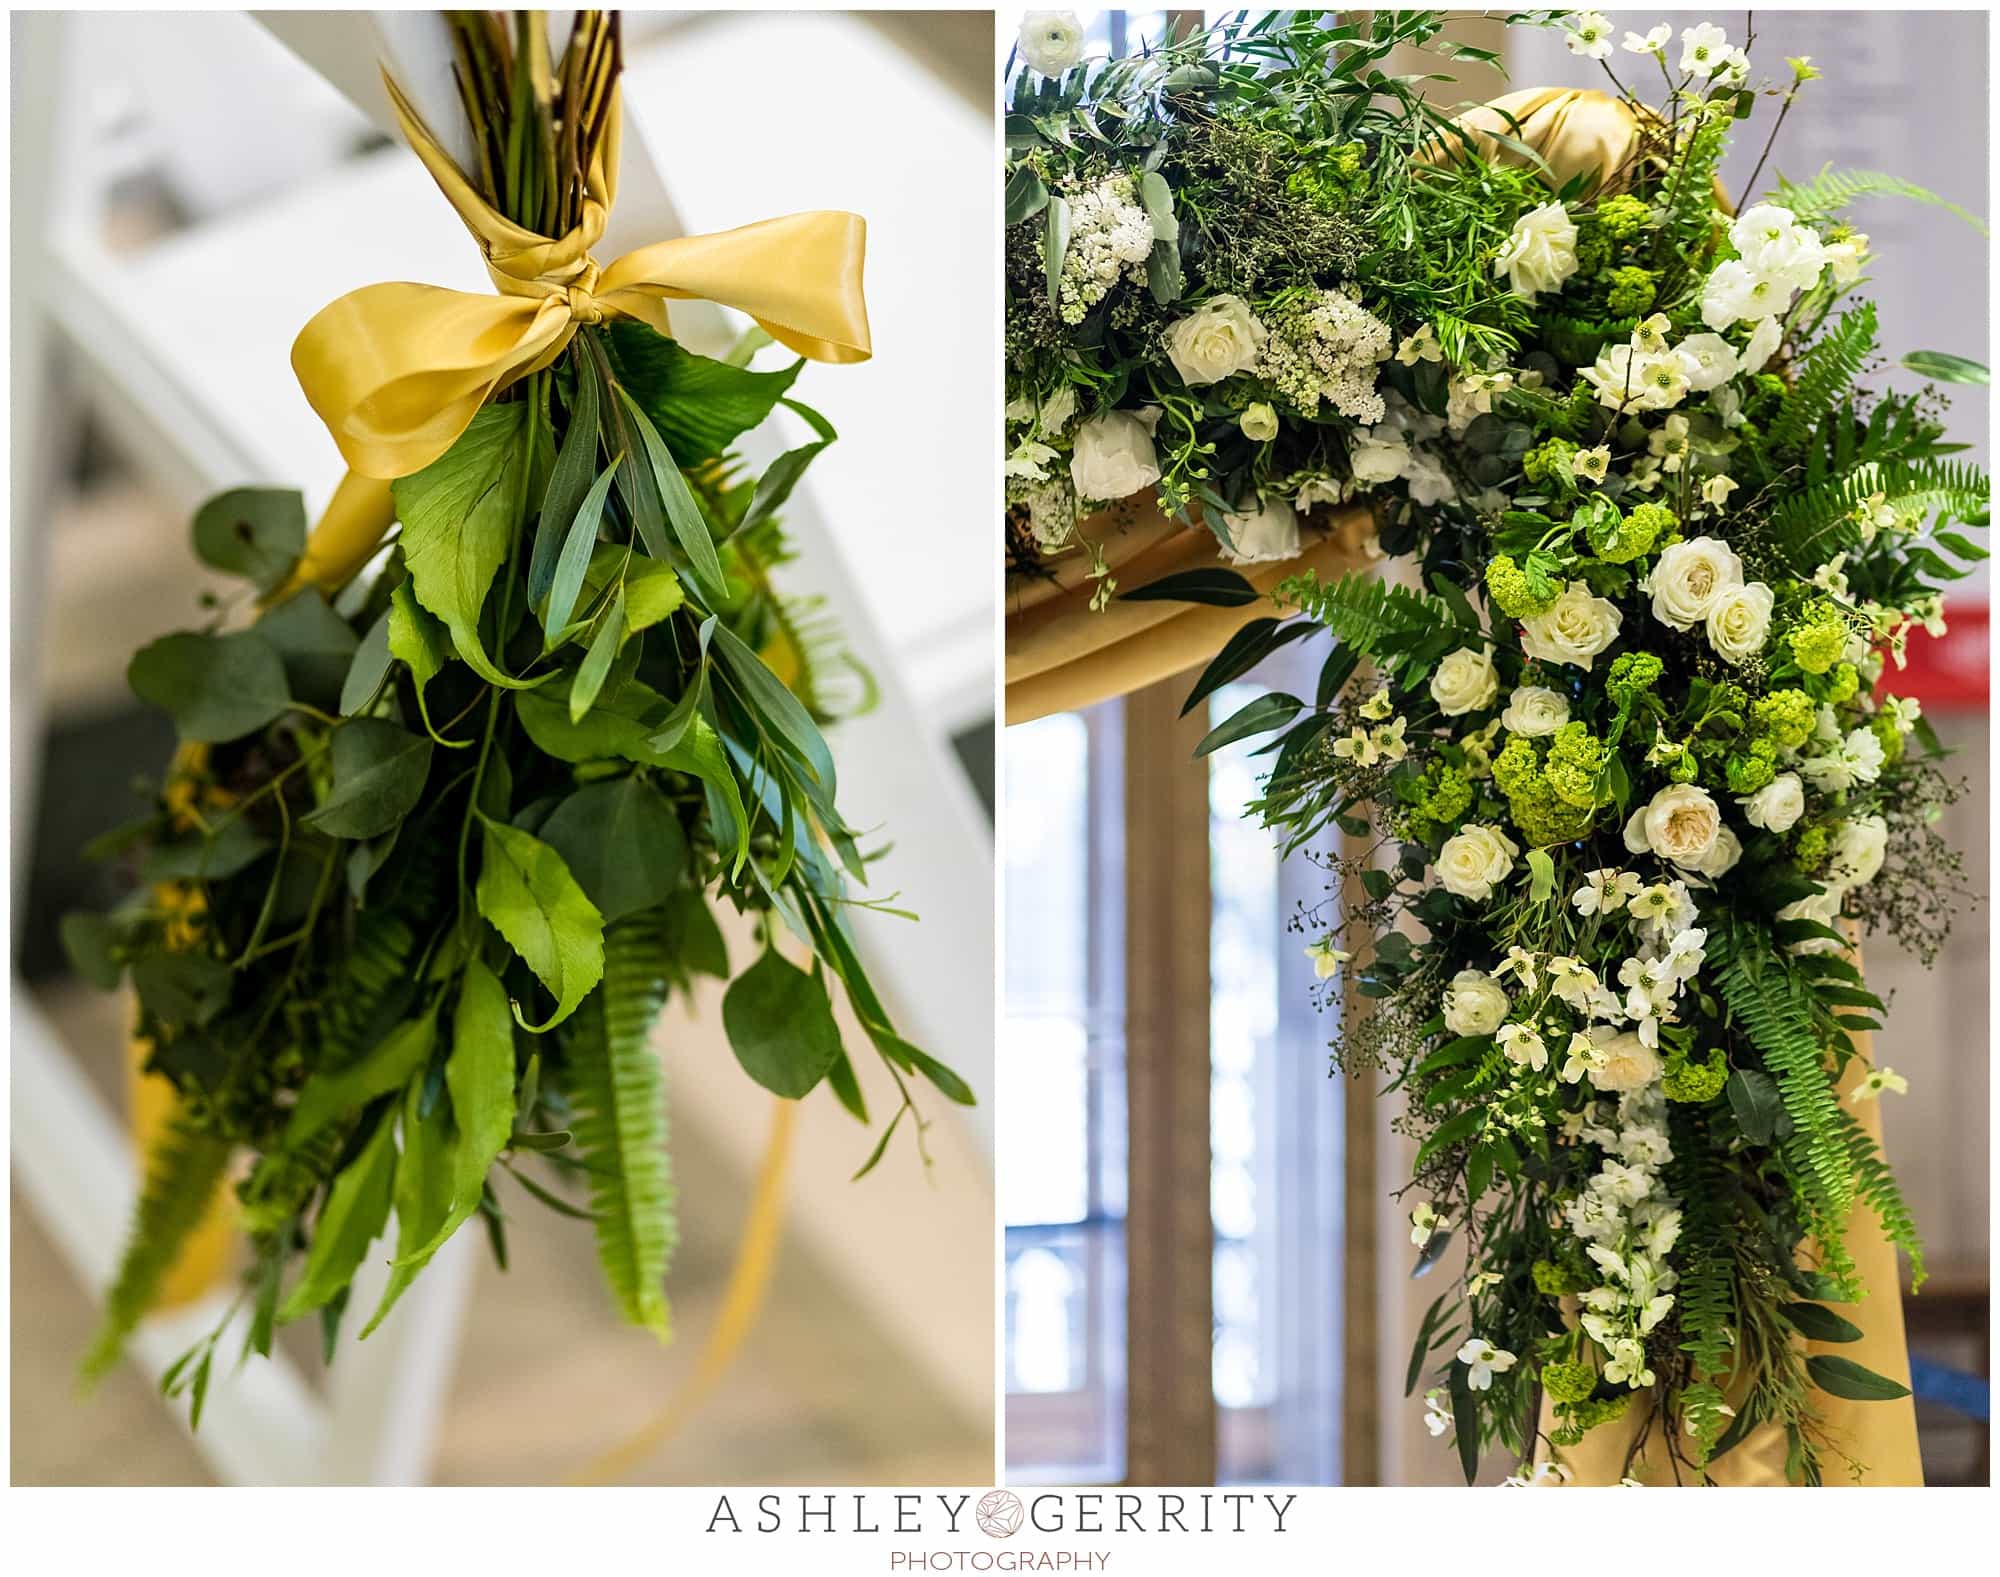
point(1763, 342)
point(1772, 242)
point(1777, 806)
point(1263, 535)
point(1709, 360)
point(1221, 339)
point(1051, 41)
point(1737, 293)
point(1113, 455)
point(1679, 824)
point(1541, 253)
point(1859, 844)
point(1475, 860)
point(1723, 855)
point(1739, 621)
point(1465, 681)
point(1474, 1003)
point(1377, 455)
point(1533, 711)
point(1624, 1061)
point(1689, 577)
point(1574, 628)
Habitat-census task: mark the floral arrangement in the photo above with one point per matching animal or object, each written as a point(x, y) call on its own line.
point(1625, 749)
point(442, 837)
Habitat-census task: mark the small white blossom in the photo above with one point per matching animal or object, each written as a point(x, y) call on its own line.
point(1876, 1081)
point(1485, 1361)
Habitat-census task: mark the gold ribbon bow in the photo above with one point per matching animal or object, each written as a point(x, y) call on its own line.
point(397, 371)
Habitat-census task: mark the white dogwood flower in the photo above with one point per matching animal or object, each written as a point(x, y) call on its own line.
point(1485, 1361)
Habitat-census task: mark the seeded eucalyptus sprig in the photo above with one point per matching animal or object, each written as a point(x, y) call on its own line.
point(438, 844)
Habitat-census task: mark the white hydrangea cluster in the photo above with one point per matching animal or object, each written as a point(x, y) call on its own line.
point(1628, 1224)
point(1109, 233)
point(1324, 345)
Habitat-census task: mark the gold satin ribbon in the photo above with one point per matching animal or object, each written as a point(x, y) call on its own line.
point(1576, 131)
point(397, 371)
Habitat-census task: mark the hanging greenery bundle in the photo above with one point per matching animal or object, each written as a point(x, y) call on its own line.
point(452, 810)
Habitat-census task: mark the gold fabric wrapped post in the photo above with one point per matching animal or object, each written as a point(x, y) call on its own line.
point(1576, 131)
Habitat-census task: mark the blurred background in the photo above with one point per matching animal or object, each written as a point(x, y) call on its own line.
point(187, 190)
point(1292, 1290)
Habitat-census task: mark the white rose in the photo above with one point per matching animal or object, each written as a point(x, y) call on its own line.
point(1709, 361)
point(1534, 711)
point(1763, 341)
point(1689, 577)
point(1823, 907)
point(1475, 860)
point(1263, 535)
point(1723, 856)
point(1474, 1003)
point(1624, 1061)
point(1051, 41)
point(1378, 455)
point(1679, 824)
point(1574, 629)
point(1772, 242)
point(1858, 847)
point(1465, 682)
point(1739, 619)
point(1736, 293)
point(1777, 806)
point(1429, 482)
point(1541, 253)
point(1221, 339)
point(1259, 423)
point(1113, 455)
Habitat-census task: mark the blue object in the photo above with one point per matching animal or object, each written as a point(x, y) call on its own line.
point(1969, 1394)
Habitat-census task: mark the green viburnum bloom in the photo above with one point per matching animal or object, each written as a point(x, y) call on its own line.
point(1694, 1083)
point(1586, 1416)
point(1552, 1280)
point(1884, 728)
point(1842, 683)
point(1787, 716)
point(1569, 1382)
point(1632, 292)
point(1548, 463)
point(1819, 637)
point(1542, 814)
point(1622, 217)
point(1749, 769)
point(1444, 796)
point(1616, 537)
point(1810, 846)
point(1513, 594)
point(1634, 674)
point(1576, 765)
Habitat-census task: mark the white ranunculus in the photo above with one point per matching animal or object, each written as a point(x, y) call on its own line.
point(1113, 455)
point(1574, 628)
point(1689, 577)
point(1736, 293)
point(1763, 342)
point(1777, 806)
point(1465, 681)
point(1051, 41)
point(1624, 1061)
point(1541, 252)
point(1679, 824)
point(1221, 339)
point(1263, 535)
point(1739, 620)
point(1709, 360)
point(1773, 243)
point(1474, 1003)
point(1377, 455)
point(1475, 860)
point(1723, 856)
point(1858, 846)
point(1533, 711)
point(1259, 422)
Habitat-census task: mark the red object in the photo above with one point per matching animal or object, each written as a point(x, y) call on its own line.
point(1949, 673)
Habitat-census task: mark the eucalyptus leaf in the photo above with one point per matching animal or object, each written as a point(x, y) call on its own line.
point(1844, 1377)
point(379, 771)
point(683, 513)
point(256, 533)
point(781, 1026)
point(315, 645)
point(368, 668)
point(622, 842)
point(215, 687)
point(574, 561)
point(421, 1194)
point(597, 660)
point(333, 1093)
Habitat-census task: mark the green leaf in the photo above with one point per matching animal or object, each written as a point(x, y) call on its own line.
point(257, 533)
point(1426, 1331)
point(698, 405)
point(1846, 1378)
point(622, 842)
point(1542, 877)
point(569, 482)
point(693, 939)
point(234, 845)
point(620, 1116)
point(781, 1026)
point(1259, 717)
point(315, 644)
point(334, 1093)
point(370, 665)
point(778, 707)
point(1055, 246)
point(1943, 367)
point(1026, 195)
point(1754, 1098)
point(684, 514)
point(1214, 588)
point(356, 1207)
point(215, 687)
point(421, 1194)
point(597, 661)
point(458, 516)
point(576, 551)
point(1817, 1322)
point(421, 644)
point(529, 896)
point(87, 939)
point(1465, 1420)
point(1453, 1131)
point(783, 473)
point(181, 988)
point(379, 772)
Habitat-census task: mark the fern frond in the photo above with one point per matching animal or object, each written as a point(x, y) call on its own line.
point(1827, 193)
point(183, 1171)
point(1876, 1184)
point(1370, 615)
point(1824, 373)
point(1810, 526)
point(1707, 1292)
point(1774, 1010)
point(620, 1119)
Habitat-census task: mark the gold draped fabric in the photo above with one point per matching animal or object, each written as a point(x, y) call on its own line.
point(1061, 656)
point(1577, 131)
